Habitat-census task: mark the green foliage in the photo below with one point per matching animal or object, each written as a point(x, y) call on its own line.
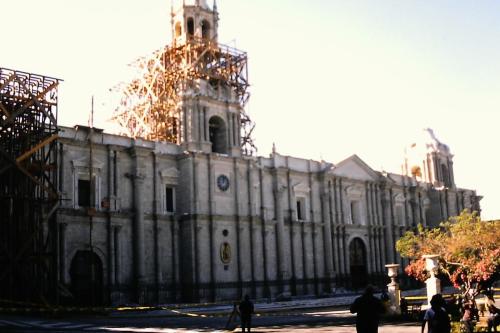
point(468, 250)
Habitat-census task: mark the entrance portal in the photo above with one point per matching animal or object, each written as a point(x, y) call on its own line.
point(357, 258)
point(86, 278)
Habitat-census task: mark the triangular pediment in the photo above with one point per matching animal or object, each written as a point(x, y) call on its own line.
point(355, 168)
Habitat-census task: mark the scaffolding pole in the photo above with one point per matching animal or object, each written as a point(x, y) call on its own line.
point(151, 103)
point(28, 187)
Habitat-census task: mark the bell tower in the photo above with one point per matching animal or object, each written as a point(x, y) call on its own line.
point(429, 160)
point(192, 92)
point(212, 101)
point(193, 19)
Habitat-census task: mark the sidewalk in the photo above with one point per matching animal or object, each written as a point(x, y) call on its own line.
point(216, 310)
point(389, 328)
point(341, 301)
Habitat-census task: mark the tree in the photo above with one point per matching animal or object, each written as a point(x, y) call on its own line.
point(468, 250)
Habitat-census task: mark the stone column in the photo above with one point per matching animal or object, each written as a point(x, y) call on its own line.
point(239, 226)
point(252, 240)
point(280, 234)
point(138, 228)
point(393, 289)
point(138, 238)
point(387, 216)
point(62, 252)
point(327, 232)
point(292, 219)
point(433, 283)
point(378, 256)
point(263, 218)
point(116, 248)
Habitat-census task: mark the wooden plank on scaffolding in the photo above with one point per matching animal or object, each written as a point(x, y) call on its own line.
point(4, 110)
point(26, 172)
point(8, 158)
point(6, 82)
point(34, 100)
point(27, 243)
point(36, 148)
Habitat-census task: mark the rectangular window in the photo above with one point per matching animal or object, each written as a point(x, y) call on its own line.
point(400, 219)
point(355, 213)
point(301, 209)
point(83, 193)
point(169, 199)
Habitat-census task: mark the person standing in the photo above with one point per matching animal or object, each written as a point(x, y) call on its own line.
point(493, 313)
point(368, 309)
point(466, 321)
point(233, 317)
point(436, 317)
point(246, 311)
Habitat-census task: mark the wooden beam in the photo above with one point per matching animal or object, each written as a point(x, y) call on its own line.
point(4, 110)
point(34, 100)
point(36, 148)
point(6, 82)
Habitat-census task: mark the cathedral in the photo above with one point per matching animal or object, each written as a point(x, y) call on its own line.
point(149, 220)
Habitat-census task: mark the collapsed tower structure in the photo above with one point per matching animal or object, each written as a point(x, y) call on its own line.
point(28, 187)
point(165, 99)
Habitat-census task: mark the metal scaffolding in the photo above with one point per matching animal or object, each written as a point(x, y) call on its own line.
point(151, 104)
point(28, 187)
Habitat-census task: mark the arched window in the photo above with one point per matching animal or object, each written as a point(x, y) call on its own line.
point(217, 135)
point(178, 29)
point(190, 26)
point(205, 29)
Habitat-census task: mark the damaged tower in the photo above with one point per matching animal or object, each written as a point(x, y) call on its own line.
point(188, 92)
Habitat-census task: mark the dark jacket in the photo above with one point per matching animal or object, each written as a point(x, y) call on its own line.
point(246, 309)
point(368, 309)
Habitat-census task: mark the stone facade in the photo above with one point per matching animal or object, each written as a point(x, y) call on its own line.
point(174, 225)
point(200, 220)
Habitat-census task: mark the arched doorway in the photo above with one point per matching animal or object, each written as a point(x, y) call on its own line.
point(357, 260)
point(86, 278)
point(217, 135)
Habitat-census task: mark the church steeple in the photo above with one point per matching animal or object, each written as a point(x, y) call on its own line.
point(430, 160)
point(195, 93)
point(194, 19)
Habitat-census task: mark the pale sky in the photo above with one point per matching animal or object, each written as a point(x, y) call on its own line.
point(329, 78)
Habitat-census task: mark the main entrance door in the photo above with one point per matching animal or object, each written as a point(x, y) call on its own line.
point(357, 259)
point(86, 278)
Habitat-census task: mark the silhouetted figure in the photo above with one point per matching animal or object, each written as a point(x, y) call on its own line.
point(403, 304)
point(436, 317)
point(493, 313)
point(233, 318)
point(368, 309)
point(466, 321)
point(246, 310)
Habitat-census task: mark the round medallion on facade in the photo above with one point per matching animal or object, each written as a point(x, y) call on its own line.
point(225, 253)
point(223, 182)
